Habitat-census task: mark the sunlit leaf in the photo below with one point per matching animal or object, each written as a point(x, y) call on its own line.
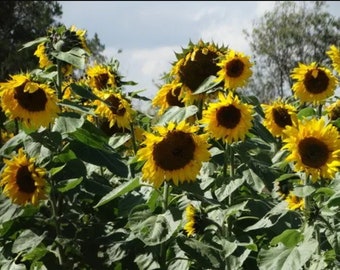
point(27, 240)
point(119, 191)
point(177, 114)
point(69, 184)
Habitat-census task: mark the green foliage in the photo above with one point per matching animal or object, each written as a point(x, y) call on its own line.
point(293, 32)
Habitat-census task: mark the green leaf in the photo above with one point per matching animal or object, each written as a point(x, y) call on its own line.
point(76, 57)
point(177, 114)
point(13, 143)
point(208, 84)
point(119, 191)
point(334, 201)
point(152, 229)
point(26, 241)
point(303, 191)
point(284, 258)
point(225, 190)
point(306, 112)
point(75, 106)
point(99, 157)
point(69, 184)
point(34, 42)
point(68, 122)
point(289, 238)
point(83, 91)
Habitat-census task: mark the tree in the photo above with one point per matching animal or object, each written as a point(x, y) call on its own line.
point(293, 32)
point(20, 22)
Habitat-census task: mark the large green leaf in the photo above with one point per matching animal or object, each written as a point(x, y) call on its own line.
point(68, 122)
point(75, 57)
point(99, 157)
point(226, 190)
point(288, 258)
point(177, 114)
point(152, 229)
point(119, 191)
point(26, 241)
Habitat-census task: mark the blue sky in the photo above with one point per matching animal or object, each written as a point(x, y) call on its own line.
point(150, 32)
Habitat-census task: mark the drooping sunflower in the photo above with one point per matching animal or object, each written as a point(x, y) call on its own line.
point(314, 148)
point(115, 108)
point(60, 39)
point(278, 115)
point(34, 104)
point(228, 119)
point(295, 202)
point(314, 83)
point(22, 181)
point(333, 110)
point(168, 95)
point(101, 76)
point(235, 70)
point(195, 221)
point(194, 65)
point(173, 153)
point(334, 55)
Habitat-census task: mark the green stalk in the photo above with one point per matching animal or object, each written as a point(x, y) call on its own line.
point(163, 247)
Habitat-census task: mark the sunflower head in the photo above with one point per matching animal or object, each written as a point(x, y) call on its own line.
point(103, 76)
point(278, 115)
point(333, 110)
point(313, 84)
point(194, 65)
point(228, 119)
point(295, 202)
point(314, 148)
point(114, 107)
point(195, 221)
point(168, 95)
point(283, 188)
point(334, 55)
point(173, 153)
point(235, 70)
point(33, 103)
point(22, 181)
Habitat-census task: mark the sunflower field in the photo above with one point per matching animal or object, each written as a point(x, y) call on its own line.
point(208, 177)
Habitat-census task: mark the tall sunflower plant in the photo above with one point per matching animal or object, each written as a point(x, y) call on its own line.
point(207, 177)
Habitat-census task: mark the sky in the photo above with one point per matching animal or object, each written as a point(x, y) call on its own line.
point(149, 33)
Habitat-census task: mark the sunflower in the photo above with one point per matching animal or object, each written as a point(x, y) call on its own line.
point(294, 202)
point(195, 221)
point(314, 83)
point(40, 52)
point(168, 95)
point(115, 108)
point(333, 110)
point(278, 115)
point(32, 103)
point(173, 152)
point(283, 188)
point(22, 181)
point(314, 148)
point(334, 55)
point(194, 65)
point(101, 77)
point(228, 119)
point(235, 70)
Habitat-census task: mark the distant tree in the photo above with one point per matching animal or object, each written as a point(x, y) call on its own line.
point(292, 32)
point(20, 22)
point(24, 21)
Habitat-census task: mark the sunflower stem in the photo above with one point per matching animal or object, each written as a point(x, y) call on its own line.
point(56, 224)
point(59, 80)
point(163, 248)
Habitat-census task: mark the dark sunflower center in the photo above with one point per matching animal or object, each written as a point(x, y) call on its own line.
point(33, 102)
point(335, 113)
point(282, 117)
point(318, 84)
point(175, 151)
point(24, 180)
point(314, 153)
point(101, 80)
point(109, 131)
point(114, 105)
point(235, 68)
point(228, 116)
point(173, 100)
point(193, 73)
